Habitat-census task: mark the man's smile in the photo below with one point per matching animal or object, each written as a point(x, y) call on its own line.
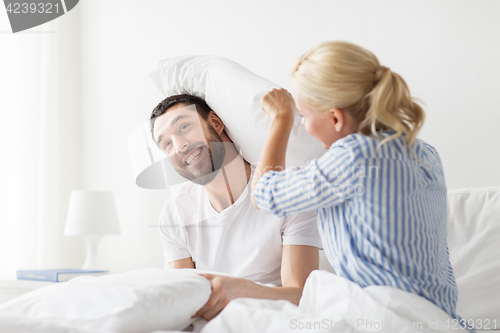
point(193, 156)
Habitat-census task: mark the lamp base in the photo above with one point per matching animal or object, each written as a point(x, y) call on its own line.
point(92, 259)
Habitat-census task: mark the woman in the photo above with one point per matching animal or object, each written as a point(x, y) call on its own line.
point(379, 192)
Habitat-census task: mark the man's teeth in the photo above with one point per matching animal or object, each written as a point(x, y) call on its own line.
point(193, 156)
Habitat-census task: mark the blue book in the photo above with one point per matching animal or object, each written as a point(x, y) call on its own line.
point(56, 275)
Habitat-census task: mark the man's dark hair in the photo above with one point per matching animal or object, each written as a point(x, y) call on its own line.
point(201, 107)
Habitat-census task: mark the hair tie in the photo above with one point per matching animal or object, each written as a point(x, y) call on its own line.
point(379, 72)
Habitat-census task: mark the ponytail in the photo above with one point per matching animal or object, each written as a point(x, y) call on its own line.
point(392, 107)
point(345, 76)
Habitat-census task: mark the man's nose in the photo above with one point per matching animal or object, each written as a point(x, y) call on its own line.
point(180, 144)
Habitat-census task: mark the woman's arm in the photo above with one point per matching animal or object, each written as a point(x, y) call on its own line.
point(280, 106)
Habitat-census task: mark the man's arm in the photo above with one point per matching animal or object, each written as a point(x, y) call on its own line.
point(298, 262)
point(182, 263)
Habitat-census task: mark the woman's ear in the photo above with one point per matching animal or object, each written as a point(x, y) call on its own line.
point(216, 122)
point(337, 117)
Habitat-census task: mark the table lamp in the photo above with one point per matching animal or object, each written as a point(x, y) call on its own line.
point(92, 215)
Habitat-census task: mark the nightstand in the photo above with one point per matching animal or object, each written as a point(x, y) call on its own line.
point(13, 288)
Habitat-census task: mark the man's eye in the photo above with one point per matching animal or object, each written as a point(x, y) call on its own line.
point(167, 144)
point(183, 127)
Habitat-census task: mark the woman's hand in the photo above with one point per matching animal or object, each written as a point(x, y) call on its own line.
point(278, 103)
point(280, 106)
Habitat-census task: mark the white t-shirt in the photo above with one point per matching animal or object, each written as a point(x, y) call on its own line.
point(240, 241)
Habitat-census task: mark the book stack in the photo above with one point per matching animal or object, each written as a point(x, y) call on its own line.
point(56, 275)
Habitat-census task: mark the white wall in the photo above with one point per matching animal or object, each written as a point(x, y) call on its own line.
point(448, 51)
point(40, 143)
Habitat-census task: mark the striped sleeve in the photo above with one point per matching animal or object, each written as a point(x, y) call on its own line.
point(327, 181)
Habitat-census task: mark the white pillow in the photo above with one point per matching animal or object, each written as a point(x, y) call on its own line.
point(234, 93)
point(474, 245)
point(135, 301)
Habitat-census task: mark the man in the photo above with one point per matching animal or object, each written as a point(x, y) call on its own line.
point(210, 224)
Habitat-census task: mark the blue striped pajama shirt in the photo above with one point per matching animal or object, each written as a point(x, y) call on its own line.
point(382, 214)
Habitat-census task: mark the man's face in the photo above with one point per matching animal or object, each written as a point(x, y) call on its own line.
point(191, 144)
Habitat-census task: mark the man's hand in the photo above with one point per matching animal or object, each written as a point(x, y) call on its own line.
point(297, 262)
point(224, 290)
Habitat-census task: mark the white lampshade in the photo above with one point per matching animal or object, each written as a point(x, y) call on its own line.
point(92, 213)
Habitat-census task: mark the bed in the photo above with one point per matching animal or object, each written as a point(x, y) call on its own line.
point(162, 300)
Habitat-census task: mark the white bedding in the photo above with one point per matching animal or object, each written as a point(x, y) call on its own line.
point(329, 304)
point(333, 304)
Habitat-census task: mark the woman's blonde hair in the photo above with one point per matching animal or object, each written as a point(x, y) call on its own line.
point(348, 77)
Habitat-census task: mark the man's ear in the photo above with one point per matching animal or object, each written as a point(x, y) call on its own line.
point(216, 122)
point(337, 118)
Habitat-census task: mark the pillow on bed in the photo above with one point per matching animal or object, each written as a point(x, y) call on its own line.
point(473, 241)
point(135, 301)
point(234, 93)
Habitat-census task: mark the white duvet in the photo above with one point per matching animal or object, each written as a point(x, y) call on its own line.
point(333, 304)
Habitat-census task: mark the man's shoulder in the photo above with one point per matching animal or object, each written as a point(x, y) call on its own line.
point(291, 219)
